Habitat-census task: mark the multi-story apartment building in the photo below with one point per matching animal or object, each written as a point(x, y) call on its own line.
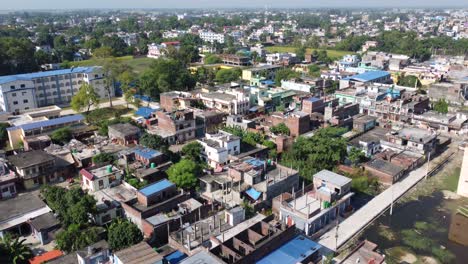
point(175, 127)
point(218, 147)
point(233, 102)
point(212, 37)
point(34, 168)
point(28, 91)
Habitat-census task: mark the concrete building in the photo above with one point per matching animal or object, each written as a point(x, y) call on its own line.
point(34, 168)
point(236, 60)
point(175, 127)
point(100, 178)
point(413, 139)
point(267, 71)
point(39, 123)
point(124, 133)
point(212, 37)
point(231, 102)
point(8, 180)
point(172, 101)
point(217, 148)
point(366, 78)
point(463, 181)
point(28, 91)
point(316, 208)
point(240, 122)
point(156, 51)
point(298, 122)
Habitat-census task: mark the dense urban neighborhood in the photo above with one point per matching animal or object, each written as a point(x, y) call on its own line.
point(225, 136)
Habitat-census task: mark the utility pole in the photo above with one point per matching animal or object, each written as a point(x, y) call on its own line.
point(428, 162)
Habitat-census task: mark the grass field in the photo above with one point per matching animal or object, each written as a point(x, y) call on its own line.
point(138, 64)
point(330, 52)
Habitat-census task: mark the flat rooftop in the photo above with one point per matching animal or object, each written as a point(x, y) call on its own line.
point(306, 204)
point(294, 251)
point(332, 177)
point(156, 187)
point(20, 209)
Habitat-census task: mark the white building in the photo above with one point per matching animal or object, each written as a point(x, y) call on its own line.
point(292, 85)
point(28, 91)
point(157, 51)
point(218, 147)
point(233, 102)
point(210, 36)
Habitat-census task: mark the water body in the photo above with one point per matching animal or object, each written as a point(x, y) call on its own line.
point(431, 214)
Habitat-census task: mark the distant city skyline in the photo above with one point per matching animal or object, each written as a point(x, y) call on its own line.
point(118, 4)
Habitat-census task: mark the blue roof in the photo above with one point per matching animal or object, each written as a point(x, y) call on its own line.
point(50, 122)
point(368, 76)
point(255, 162)
point(156, 187)
point(175, 257)
point(145, 112)
point(254, 194)
point(34, 75)
point(267, 82)
point(294, 251)
point(147, 153)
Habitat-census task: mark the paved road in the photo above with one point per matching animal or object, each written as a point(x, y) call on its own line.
point(362, 217)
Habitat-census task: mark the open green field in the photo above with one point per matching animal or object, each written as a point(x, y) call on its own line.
point(330, 52)
point(138, 64)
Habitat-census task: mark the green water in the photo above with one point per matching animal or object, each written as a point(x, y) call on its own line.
point(420, 227)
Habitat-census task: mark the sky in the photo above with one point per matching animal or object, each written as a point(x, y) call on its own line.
point(114, 4)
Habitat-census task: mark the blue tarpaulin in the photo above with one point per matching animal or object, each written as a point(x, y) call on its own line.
point(145, 112)
point(254, 194)
point(175, 257)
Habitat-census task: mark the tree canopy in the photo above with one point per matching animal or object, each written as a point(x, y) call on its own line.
point(122, 234)
point(184, 174)
point(280, 129)
point(14, 250)
point(285, 74)
point(74, 238)
point(324, 150)
point(192, 151)
point(84, 98)
point(61, 136)
point(409, 81)
point(228, 75)
point(441, 106)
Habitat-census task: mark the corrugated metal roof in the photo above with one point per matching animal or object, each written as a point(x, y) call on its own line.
point(156, 187)
point(35, 75)
point(50, 122)
point(294, 251)
point(368, 76)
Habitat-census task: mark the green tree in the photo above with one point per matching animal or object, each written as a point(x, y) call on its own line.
point(441, 106)
point(324, 150)
point(228, 75)
point(192, 151)
point(212, 59)
point(126, 79)
point(184, 174)
point(280, 129)
point(285, 74)
point(3, 134)
point(409, 81)
point(356, 156)
point(152, 141)
point(85, 98)
point(102, 158)
point(300, 52)
point(61, 136)
point(123, 234)
point(14, 250)
point(74, 238)
point(103, 52)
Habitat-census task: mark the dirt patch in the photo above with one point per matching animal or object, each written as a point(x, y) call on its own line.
point(409, 258)
point(428, 260)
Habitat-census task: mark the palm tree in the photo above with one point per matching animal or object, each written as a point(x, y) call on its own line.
point(16, 250)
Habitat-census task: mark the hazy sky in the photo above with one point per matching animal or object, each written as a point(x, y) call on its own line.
point(73, 4)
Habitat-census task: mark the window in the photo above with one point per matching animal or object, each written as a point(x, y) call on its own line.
point(25, 101)
point(36, 181)
point(12, 87)
point(5, 189)
point(23, 86)
point(23, 93)
point(101, 184)
point(13, 94)
point(15, 102)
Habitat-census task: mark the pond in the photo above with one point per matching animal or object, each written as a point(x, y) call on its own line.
point(418, 230)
